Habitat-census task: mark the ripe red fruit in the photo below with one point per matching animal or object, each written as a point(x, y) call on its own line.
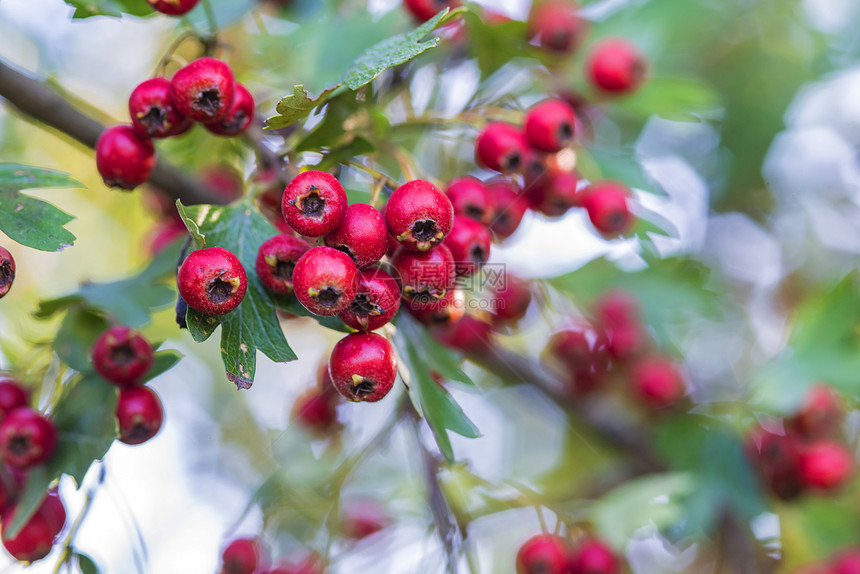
point(363, 367)
point(549, 125)
point(361, 234)
point(616, 308)
point(212, 281)
point(376, 301)
point(581, 354)
point(124, 157)
point(821, 412)
point(423, 10)
point(12, 396)
point(846, 562)
point(239, 116)
point(777, 459)
point(543, 554)
point(325, 280)
point(304, 563)
point(608, 209)
point(27, 438)
point(657, 382)
point(511, 300)
point(35, 539)
point(824, 465)
point(555, 26)
point(469, 335)
point(276, 260)
point(316, 410)
point(469, 197)
point(418, 215)
point(139, 414)
point(554, 193)
point(509, 207)
point(501, 147)
point(443, 312)
point(625, 342)
point(173, 7)
point(152, 111)
point(242, 556)
point(7, 271)
point(204, 90)
point(314, 203)
point(616, 65)
point(594, 557)
point(469, 242)
point(361, 518)
point(425, 277)
point(122, 355)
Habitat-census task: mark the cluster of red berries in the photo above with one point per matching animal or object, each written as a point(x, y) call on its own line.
point(549, 554)
point(7, 271)
point(173, 7)
point(122, 356)
point(806, 453)
point(587, 354)
point(204, 91)
point(845, 562)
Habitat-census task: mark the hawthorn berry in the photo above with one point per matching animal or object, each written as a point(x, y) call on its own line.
point(509, 207)
point(325, 280)
point(315, 410)
point(173, 7)
point(7, 271)
point(824, 465)
point(615, 65)
point(777, 460)
point(361, 234)
point(425, 277)
point(501, 147)
point(616, 308)
point(12, 396)
point(549, 125)
point(657, 382)
point(361, 518)
point(376, 301)
point(469, 335)
point(139, 414)
point(152, 111)
point(441, 313)
point(469, 242)
point(276, 260)
point(204, 90)
point(241, 556)
point(125, 157)
point(239, 117)
point(846, 562)
point(582, 353)
point(511, 300)
point(608, 208)
point(418, 215)
point(212, 281)
point(122, 355)
point(469, 197)
point(164, 234)
point(594, 557)
point(423, 10)
point(543, 554)
point(555, 26)
point(363, 367)
point(303, 563)
point(314, 203)
point(36, 538)
point(820, 414)
point(27, 438)
point(626, 341)
point(554, 193)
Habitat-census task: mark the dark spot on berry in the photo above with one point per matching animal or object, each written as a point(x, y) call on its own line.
point(138, 433)
point(219, 290)
point(615, 221)
point(328, 297)
point(19, 445)
point(208, 102)
point(559, 40)
point(363, 388)
point(424, 230)
point(313, 205)
point(7, 276)
point(565, 132)
point(346, 250)
point(154, 120)
point(362, 306)
point(427, 295)
point(122, 355)
point(474, 212)
point(235, 123)
point(284, 270)
point(513, 162)
point(478, 255)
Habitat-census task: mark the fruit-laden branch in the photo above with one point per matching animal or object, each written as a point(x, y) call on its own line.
point(37, 101)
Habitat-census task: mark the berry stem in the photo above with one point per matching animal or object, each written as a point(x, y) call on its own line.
point(210, 18)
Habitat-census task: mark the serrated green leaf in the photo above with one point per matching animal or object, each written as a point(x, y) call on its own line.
point(198, 238)
point(86, 564)
point(89, 8)
point(297, 106)
point(30, 221)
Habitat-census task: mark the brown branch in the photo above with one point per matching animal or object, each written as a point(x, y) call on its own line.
point(37, 102)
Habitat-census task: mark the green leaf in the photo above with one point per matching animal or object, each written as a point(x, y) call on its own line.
point(617, 164)
point(88, 8)
point(30, 221)
point(289, 304)
point(36, 488)
point(198, 238)
point(86, 564)
point(162, 362)
point(253, 325)
point(77, 335)
point(297, 106)
point(494, 45)
point(671, 98)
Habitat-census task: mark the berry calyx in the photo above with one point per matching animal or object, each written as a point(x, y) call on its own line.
point(241, 556)
point(204, 90)
point(173, 7)
point(423, 10)
point(139, 414)
point(469, 242)
point(418, 215)
point(594, 557)
point(501, 147)
point(376, 301)
point(555, 26)
point(27, 438)
point(425, 277)
point(152, 111)
point(122, 355)
point(239, 116)
point(615, 65)
point(608, 208)
point(825, 465)
point(125, 157)
point(12, 396)
point(543, 554)
point(509, 207)
point(314, 203)
point(212, 281)
point(363, 367)
point(361, 234)
point(276, 260)
point(820, 414)
point(657, 382)
point(316, 411)
point(7, 271)
point(511, 300)
point(325, 280)
point(36, 538)
point(469, 197)
point(549, 125)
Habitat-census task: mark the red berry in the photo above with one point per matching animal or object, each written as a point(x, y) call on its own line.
point(846, 562)
point(7, 271)
point(363, 367)
point(122, 355)
point(543, 554)
point(616, 308)
point(777, 459)
point(469, 197)
point(304, 563)
point(212, 281)
point(608, 208)
point(418, 215)
point(376, 301)
point(225, 181)
point(314, 203)
point(824, 465)
point(555, 26)
point(443, 312)
point(657, 382)
point(425, 277)
point(583, 356)
point(511, 300)
point(325, 280)
point(821, 412)
point(276, 260)
point(423, 10)
point(35, 539)
point(27, 438)
point(239, 117)
point(173, 7)
point(242, 556)
point(554, 193)
point(501, 147)
point(165, 234)
point(469, 242)
point(139, 414)
point(509, 207)
point(469, 335)
point(594, 557)
point(204, 90)
point(616, 65)
point(361, 234)
point(549, 125)
point(12, 396)
point(315, 410)
point(152, 111)
point(625, 342)
point(362, 518)
point(124, 157)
